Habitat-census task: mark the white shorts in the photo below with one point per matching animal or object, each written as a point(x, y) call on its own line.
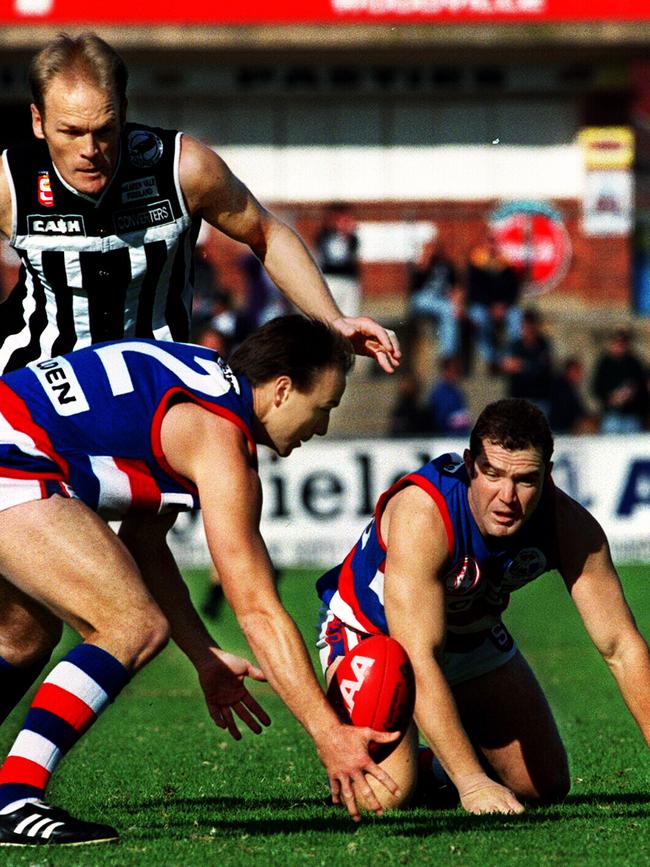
point(467, 656)
point(15, 492)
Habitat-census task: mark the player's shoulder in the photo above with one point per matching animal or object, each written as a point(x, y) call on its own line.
point(147, 147)
point(575, 525)
point(421, 491)
point(29, 148)
point(22, 163)
point(446, 472)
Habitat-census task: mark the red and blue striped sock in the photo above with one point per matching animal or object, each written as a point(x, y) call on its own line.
point(67, 703)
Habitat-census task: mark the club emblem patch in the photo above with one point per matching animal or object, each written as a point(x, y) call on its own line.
point(145, 148)
point(528, 564)
point(463, 576)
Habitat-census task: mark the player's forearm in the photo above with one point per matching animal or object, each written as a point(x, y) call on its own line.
point(630, 665)
point(281, 654)
point(164, 582)
point(293, 269)
point(187, 629)
point(438, 719)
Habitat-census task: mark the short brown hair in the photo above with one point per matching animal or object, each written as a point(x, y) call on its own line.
point(86, 53)
point(292, 346)
point(513, 424)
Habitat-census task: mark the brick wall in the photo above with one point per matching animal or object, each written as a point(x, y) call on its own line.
point(599, 272)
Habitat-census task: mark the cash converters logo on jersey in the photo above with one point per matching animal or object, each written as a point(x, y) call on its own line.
point(44, 190)
point(534, 240)
point(55, 224)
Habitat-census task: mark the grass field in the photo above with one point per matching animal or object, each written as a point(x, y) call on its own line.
point(182, 793)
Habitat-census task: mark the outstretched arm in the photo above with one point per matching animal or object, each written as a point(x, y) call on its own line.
point(213, 453)
point(213, 192)
point(414, 599)
point(594, 585)
point(6, 206)
point(221, 674)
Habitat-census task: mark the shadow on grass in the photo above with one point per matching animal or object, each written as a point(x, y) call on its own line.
point(269, 816)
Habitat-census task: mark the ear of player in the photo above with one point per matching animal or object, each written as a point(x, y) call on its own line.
point(374, 686)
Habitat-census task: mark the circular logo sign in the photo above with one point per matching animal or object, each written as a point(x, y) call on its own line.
point(533, 238)
point(145, 148)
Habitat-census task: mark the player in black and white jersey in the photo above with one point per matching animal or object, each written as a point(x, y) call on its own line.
point(104, 214)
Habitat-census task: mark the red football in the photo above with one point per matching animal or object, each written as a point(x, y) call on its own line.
point(374, 686)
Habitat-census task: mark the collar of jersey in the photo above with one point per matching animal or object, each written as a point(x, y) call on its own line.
point(96, 200)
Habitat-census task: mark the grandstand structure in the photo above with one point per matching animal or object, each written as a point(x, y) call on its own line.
point(456, 116)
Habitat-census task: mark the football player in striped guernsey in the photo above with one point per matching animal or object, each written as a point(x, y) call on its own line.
point(435, 568)
point(140, 430)
point(104, 215)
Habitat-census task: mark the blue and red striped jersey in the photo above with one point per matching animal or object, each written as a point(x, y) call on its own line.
point(481, 573)
point(91, 420)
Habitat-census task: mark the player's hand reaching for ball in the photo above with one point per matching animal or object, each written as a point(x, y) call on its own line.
point(344, 754)
point(480, 794)
point(222, 682)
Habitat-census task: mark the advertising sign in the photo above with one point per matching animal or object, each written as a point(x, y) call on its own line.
point(318, 501)
point(608, 199)
point(319, 11)
point(533, 238)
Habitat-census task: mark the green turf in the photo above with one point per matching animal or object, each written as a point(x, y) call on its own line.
point(182, 793)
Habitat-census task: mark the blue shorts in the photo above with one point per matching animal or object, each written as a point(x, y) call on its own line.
point(466, 655)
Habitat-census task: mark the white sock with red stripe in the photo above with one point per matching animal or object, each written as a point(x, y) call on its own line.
point(65, 706)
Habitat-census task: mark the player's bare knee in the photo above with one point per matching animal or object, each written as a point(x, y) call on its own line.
point(135, 639)
point(153, 635)
point(387, 800)
point(551, 788)
point(553, 791)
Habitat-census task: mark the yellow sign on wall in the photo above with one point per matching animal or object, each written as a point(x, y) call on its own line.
point(607, 147)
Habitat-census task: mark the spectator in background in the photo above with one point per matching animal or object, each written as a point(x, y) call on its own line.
point(436, 293)
point(264, 301)
point(205, 279)
point(619, 384)
point(493, 290)
point(447, 401)
point(568, 413)
point(528, 364)
point(408, 418)
point(337, 252)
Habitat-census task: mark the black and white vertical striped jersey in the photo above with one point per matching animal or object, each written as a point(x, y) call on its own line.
point(98, 268)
